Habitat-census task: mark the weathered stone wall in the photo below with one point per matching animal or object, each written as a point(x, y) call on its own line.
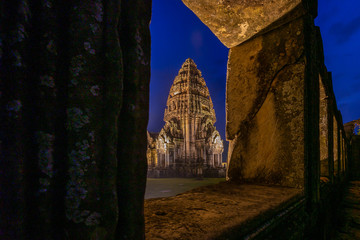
point(265, 107)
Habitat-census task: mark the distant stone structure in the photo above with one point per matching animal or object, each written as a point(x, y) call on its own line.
point(189, 144)
point(353, 134)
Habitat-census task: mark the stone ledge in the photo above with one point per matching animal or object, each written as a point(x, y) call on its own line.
point(214, 211)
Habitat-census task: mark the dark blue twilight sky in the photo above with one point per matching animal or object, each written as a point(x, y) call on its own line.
point(177, 34)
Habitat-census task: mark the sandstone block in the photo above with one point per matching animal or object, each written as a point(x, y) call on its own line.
point(234, 21)
point(266, 107)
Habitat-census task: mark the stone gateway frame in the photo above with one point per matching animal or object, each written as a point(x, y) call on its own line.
point(74, 96)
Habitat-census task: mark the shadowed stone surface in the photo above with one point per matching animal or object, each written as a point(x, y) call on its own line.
point(350, 214)
point(354, 164)
point(131, 150)
point(208, 212)
point(265, 107)
point(336, 147)
point(234, 22)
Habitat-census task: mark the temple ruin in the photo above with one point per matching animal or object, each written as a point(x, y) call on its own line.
point(188, 145)
point(74, 111)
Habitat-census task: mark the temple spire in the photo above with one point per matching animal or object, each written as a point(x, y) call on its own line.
point(188, 144)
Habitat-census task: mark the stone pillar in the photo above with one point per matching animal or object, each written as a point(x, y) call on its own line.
point(204, 155)
point(187, 137)
point(341, 153)
point(336, 143)
point(339, 149)
point(192, 138)
point(330, 129)
point(70, 148)
point(324, 128)
point(174, 160)
point(344, 154)
point(134, 34)
point(157, 160)
point(167, 158)
point(272, 87)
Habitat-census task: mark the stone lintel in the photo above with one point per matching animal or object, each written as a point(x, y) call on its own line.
point(235, 21)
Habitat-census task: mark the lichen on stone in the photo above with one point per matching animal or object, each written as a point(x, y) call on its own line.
point(76, 186)
point(98, 11)
point(47, 81)
point(20, 33)
point(13, 108)
point(45, 143)
point(95, 90)
point(77, 65)
point(76, 119)
point(94, 27)
point(51, 47)
point(18, 59)
point(24, 9)
point(47, 4)
point(87, 47)
point(93, 219)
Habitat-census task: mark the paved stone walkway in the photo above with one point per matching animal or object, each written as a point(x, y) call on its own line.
point(350, 213)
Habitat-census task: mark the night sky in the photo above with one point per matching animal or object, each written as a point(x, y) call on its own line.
point(177, 34)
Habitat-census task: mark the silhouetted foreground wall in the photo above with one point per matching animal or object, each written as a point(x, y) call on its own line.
point(74, 90)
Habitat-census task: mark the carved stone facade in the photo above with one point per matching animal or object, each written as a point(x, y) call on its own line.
point(189, 144)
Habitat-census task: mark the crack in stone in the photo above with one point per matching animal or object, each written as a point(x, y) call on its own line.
point(245, 122)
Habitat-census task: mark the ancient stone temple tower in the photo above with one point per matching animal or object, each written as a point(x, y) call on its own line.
point(189, 144)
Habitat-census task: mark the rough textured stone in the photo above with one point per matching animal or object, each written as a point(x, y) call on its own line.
point(234, 22)
point(208, 212)
point(265, 107)
point(324, 128)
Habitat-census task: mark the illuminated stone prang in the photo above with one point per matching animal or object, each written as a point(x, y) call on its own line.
point(189, 144)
